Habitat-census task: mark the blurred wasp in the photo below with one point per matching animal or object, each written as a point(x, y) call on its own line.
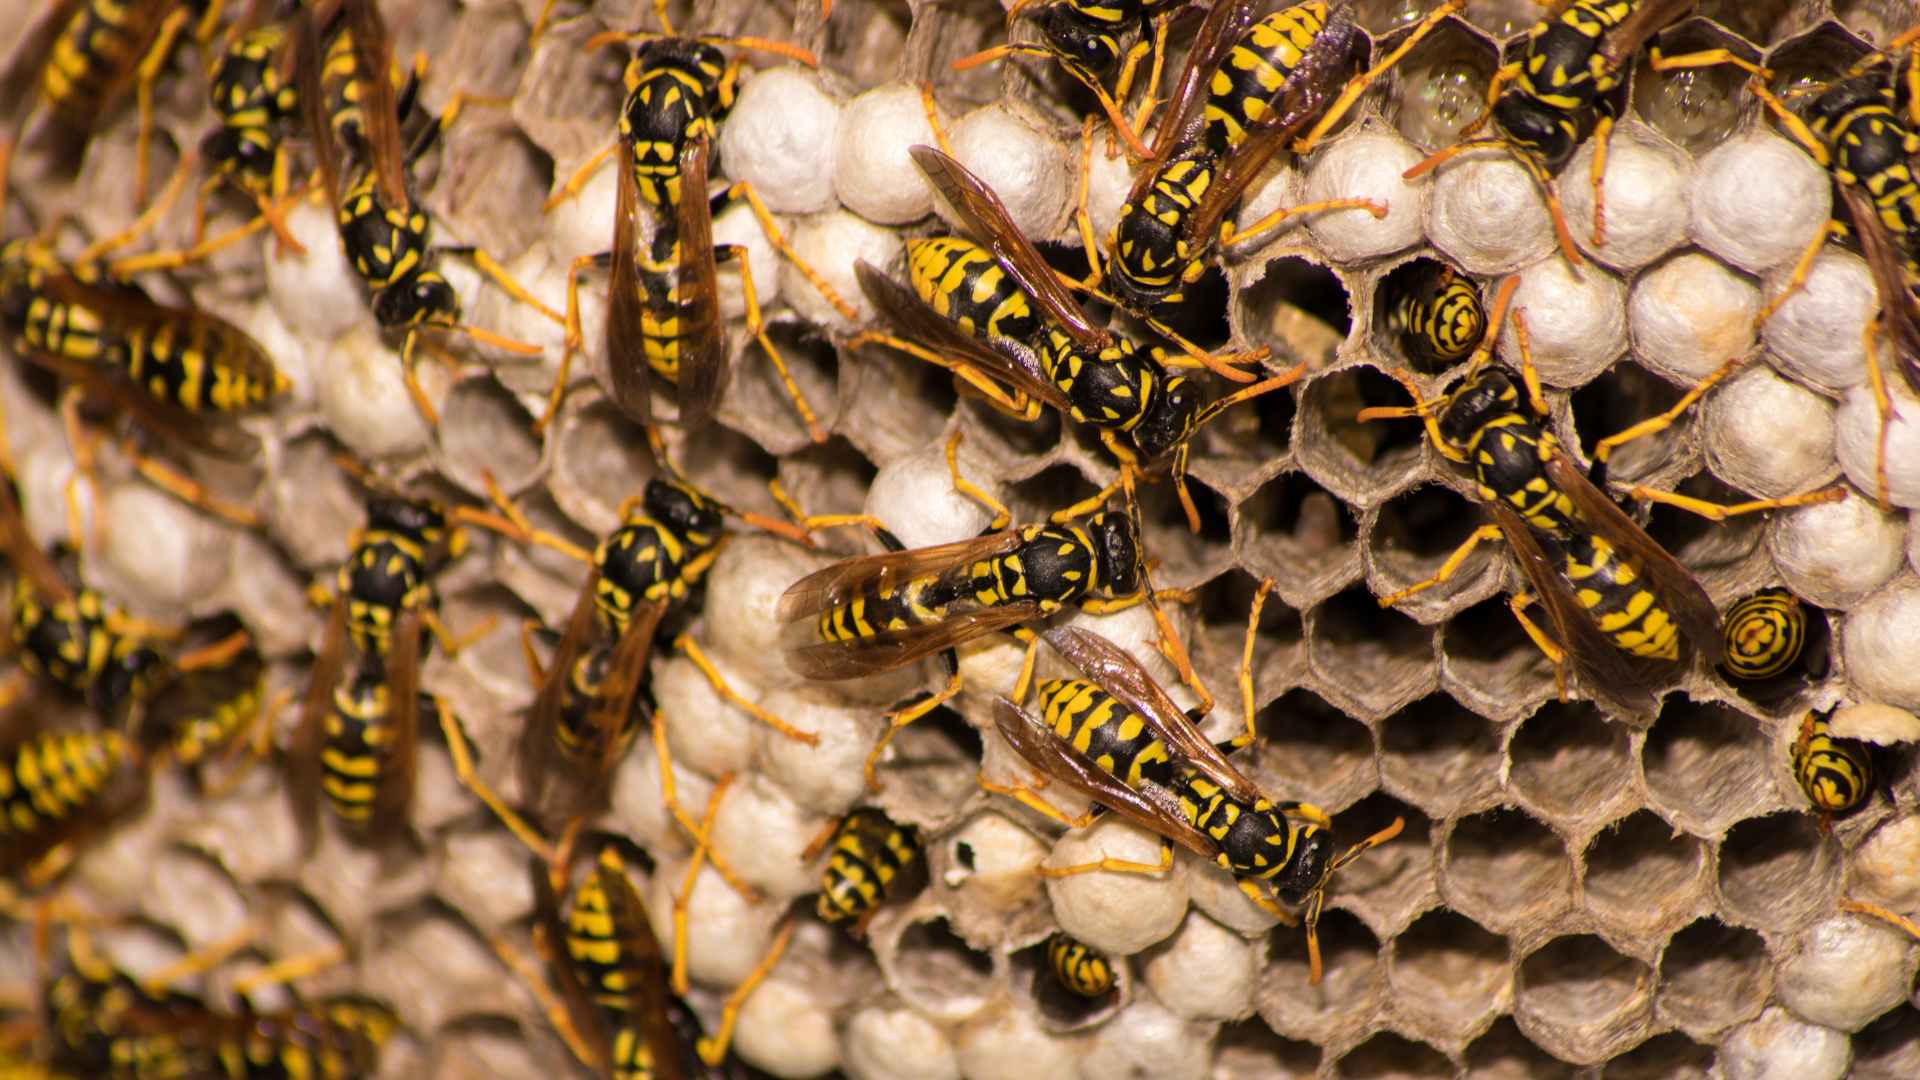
point(1250, 88)
point(255, 97)
point(993, 313)
point(58, 788)
point(1078, 967)
point(1118, 739)
point(1836, 773)
point(1570, 65)
point(347, 97)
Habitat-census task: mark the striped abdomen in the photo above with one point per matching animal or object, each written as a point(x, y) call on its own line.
point(961, 281)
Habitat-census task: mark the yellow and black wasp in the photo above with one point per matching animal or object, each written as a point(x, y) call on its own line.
point(58, 787)
point(1435, 313)
point(1250, 88)
point(1564, 80)
point(256, 97)
point(1078, 967)
point(1117, 738)
point(994, 314)
point(347, 97)
point(1764, 634)
point(1836, 773)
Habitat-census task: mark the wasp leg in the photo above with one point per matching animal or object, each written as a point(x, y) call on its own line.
point(1002, 516)
point(144, 223)
point(1015, 403)
point(1267, 904)
point(85, 468)
point(1358, 85)
point(543, 995)
point(1878, 912)
point(1147, 100)
point(713, 1050)
point(574, 339)
point(1195, 356)
point(1883, 408)
point(743, 189)
point(173, 260)
point(1246, 663)
point(580, 176)
point(1506, 74)
point(702, 834)
point(1082, 216)
point(685, 644)
point(1596, 174)
point(146, 75)
point(1604, 449)
point(1447, 569)
point(1517, 603)
point(409, 375)
point(1025, 795)
point(1659, 61)
point(1720, 512)
point(463, 768)
point(932, 110)
point(757, 326)
point(512, 522)
point(907, 714)
point(454, 646)
point(290, 968)
point(1089, 504)
point(491, 267)
point(1113, 866)
point(200, 961)
point(191, 491)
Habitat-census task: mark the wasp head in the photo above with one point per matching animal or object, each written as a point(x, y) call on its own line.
point(1116, 551)
point(680, 508)
point(1483, 398)
point(426, 298)
point(1170, 417)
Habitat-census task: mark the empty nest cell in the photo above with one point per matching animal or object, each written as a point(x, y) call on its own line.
point(1379, 659)
point(1448, 974)
point(1644, 876)
point(1713, 976)
point(1582, 1000)
point(1706, 766)
point(1440, 756)
point(1570, 764)
point(1505, 871)
point(1777, 871)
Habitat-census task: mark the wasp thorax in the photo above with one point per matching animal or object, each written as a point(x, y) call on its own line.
point(1118, 551)
point(1170, 417)
point(1474, 403)
point(680, 508)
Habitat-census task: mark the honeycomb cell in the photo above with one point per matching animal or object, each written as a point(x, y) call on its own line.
point(1446, 78)
point(1490, 664)
point(1576, 321)
point(1644, 185)
point(1505, 1053)
point(1570, 764)
point(1381, 659)
point(1776, 871)
point(1626, 395)
point(595, 460)
point(1505, 871)
point(1689, 315)
point(1449, 974)
point(1671, 1056)
point(486, 429)
point(1762, 22)
point(1350, 957)
point(1301, 536)
point(1279, 648)
point(1251, 1049)
point(1768, 435)
point(1846, 970)
point(1643, 878)
point(1439, 756)
point(1758, 201)
point(1776, 1044)
point(1583, 1001)
point(1706, 766)
point(1321, 755)
point(1360, 462)
point(757, 399)
point(1694, 107)
point(1389, 1055)
point(938, 973)
point(1888, 1048)
point(1185, 559)
point(1414, 536)
point(1876, 22)
point(1388, 884)
point(1713, 976)
point(1204, 972)
point(1486, 213)
point(1299, 309)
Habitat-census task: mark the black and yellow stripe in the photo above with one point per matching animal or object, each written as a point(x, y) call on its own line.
point(1765, 634)
point(868, 852)
point(1835, 773)
point(1079, 968)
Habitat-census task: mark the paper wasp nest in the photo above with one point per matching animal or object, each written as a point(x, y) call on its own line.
point(1570, 892)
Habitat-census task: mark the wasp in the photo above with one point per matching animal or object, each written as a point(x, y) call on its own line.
point(663, 313)
point(1117, 738)
point(1436, 314)
point(994, 314)
point(1764, 634)
point(385, 233)
point(1836, 773)
point(1079, 968)
point(1250, 87)
point(255, 98)
point(1563, 85)
point(57, 788)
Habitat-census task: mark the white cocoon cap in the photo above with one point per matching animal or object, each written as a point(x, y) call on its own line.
point(1366, 165)
point(1024, 166)
point(1886, 869)
point(914, 496)
point(365, 401)
point(827, 777)
point(1116, 913)
point(1205, 971)
point(1815, 334)
point(1779, 1047)
point(873, 174)
point(1576, 327)
point(761, 833)
point(1486, 213)
point(705, 731)
point(1766, 435)
point(1645, 187)
point(1003, 857)
point(1848, 970)
point(773, 137)
point(1691, 314)
point(1834, 554)
point(317, 294)
point(583, 224)
point(1758, 199)
point(892, 1042)
point(1147, 1042)
point(787, 1030)
point(1004, 1043)
point(1858, 445)
point(726, 936)
point(738, 225)
point(1879, 641)
point(167, 554)
point(831, 244)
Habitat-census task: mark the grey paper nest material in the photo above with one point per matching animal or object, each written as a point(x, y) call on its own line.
point(1570, 892)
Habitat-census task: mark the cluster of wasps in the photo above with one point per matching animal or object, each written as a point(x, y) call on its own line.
point(1619, 610)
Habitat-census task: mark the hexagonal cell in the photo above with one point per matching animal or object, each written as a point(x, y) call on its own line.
point(1623, 396)
point(1389, 1055)
point(1279, 646)
point(1504, 1052)
point(1060, 1008)
point(1815, 661)
point(1045, 492)
point(1506, 871)
point(1186, 559)
point(1381, 658)
point(1762, 22)
point(1695, 107)
point(1299, 534)
point(758, 394)
point(1875, 22)
point(1888, 1048)
point(1452, 65)
point(1713, 976)
point(595, 458)
point(1569, 762)
point(1389, 882)
point(1713, 551)
point(1251, 1049)
point(1350, 958)
point(1706, 766)
point(939, 973)
point(1491, 663)
point(1438, 755)
point(831, 478)
point(1811, 60)
point(1672, 1056)
point(1583, 1001)
point(1642, 876)
point(1449, 972)
point(1416, 533)
point(1299, 309)
point(1360, 462)
point(1317, 753)
point(1272, 433)
point(1777, 870)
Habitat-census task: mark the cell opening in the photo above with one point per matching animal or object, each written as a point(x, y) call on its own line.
point(1185, 558)
point(759, 394)
point(1452, 66)
point(1417, 532)
point(1812, 665)
point(1348, 454)
point(1889, 1047)
point(485, 428)
point(831, 478)
point(1449, 969)
point(1221, 634)
point(1316, 751)
point(1439, 755)
point(1274, 412)
point(1621, 397)
point(1505, 1053)
point(1875, 22)
point(1639, 871)
point(1349, 954)
point(1296, 532)
point(1414, 279)
point(1298, 308)
point(1706, 765)
point(597, 456)
point(1389, 882)
point(1569, 760)
point(938, 755)
point(1705, 547)
point(1698, 108)
point(1489, 651)
point(1580, 983)
point(1671, 1056)
point(1713, 976)
point(1776, 869)
point(1059, 1007)
point(1378, 655)
point(1760, 21)
point(1045, 493)
point(1389, 1055)
point(1505, 870)
point(938, 972)
point(1250, 1049)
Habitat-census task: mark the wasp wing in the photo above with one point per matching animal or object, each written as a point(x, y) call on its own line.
point(309, 59)
point(27, 558)
point(888, 570)
point(629, 376)
point(885, 650)
point(538, 749)
point(395, 795)
point(1676, 587)
point(1151, 808)
point(1009, 362)
point(309, 737)
point(1185, 110)
point(1898, 314)
point(644, 969)
point(703, 355)
point(379, 114)
point(987, 218)
point(550, 936)
point(621, 686)
point(1119, 674)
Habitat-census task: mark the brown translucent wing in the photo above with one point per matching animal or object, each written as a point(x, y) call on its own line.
point(27, 558)
point(539, 746)
point(131, 310)
point(379, 113)
point(889, 649)
point(703, 347)
point(1007, 361)
point(1605, 670)
point(1225, 23)
point(403, 724)
point(622, 683)
point(645, 971)
point(550, 934)
point(1623, 41)
point(309, 56)
point(1898, 315)
point(987, 218)
point(20, 81)
point(629, 378)
point(303, 765)
point(1153, 809)
point(1119, 674)
point(836, 584)
point(1676, 587)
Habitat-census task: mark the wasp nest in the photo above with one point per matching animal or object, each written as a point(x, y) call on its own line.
point(1569, 891)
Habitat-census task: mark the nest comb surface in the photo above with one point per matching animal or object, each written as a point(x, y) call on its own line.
point(1570, 894)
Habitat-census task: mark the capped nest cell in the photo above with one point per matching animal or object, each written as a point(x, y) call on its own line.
point(1573, 893)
